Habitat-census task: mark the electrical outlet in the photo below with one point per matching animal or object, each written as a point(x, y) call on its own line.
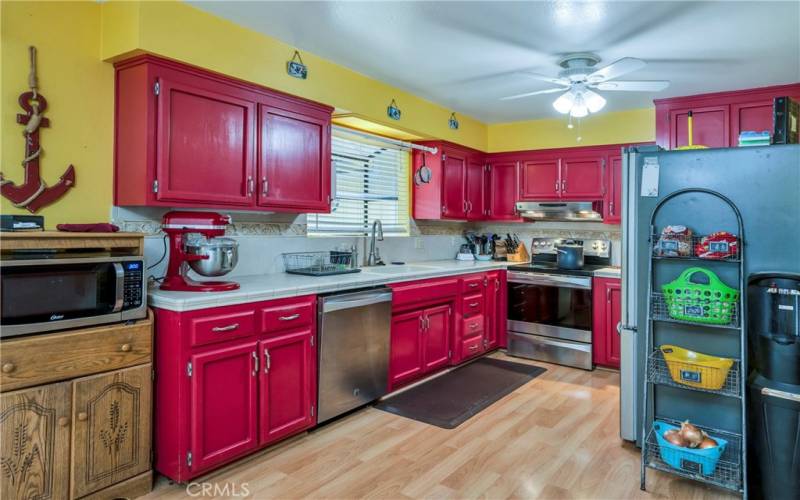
point(418, 243)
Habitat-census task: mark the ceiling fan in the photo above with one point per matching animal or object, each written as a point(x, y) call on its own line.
point(579, 79)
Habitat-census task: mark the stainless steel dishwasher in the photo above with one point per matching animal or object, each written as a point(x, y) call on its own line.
point(353, 349)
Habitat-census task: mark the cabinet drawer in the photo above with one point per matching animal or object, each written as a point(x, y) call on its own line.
point(472, 284)
point(472, 327)
point(287, 315)
point(211, 328)
point(472, 305)
point(60, 356)
point(471, 347)
point(404, 294)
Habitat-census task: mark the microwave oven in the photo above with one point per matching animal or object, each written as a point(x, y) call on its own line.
point(45, 292)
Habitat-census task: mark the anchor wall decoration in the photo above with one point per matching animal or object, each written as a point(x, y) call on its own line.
point(34, 193)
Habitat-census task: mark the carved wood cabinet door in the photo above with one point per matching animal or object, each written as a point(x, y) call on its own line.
point(34, 442)
point(111, 436)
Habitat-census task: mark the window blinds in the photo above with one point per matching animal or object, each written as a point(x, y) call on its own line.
point(370, 182)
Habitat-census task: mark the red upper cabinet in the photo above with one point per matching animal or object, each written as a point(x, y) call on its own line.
point(454, 177)
point(612, 208)
point(582, 177)
point(185, 137)
point(718, 117)
point(607, 306)
point(223, 404)
point(476, 175)
point(287, 384)
point(205, 138)
point(502, 191)
point(540, 180)
point(294, 160)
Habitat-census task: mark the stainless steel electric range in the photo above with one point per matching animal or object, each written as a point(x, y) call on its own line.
point(550, 309)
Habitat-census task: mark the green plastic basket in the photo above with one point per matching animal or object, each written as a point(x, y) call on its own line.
point(713, 303)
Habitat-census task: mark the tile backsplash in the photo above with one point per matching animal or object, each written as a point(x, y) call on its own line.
point(264, 237)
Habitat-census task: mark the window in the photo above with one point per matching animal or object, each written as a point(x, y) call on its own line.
point(370, 182)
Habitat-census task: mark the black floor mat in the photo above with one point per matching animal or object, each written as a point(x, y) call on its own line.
point(451, 399)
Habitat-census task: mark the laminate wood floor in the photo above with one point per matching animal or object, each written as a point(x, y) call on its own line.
point(555, 437)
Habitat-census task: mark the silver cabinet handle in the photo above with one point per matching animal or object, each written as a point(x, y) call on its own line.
point(564, 186)
point(474, 304)
point(255, 363)
point(780, 394)
point(422, 323)
point(264, 186)
point(473, 325)
point(289, 318)
point(427, 323)
point(267, 361)
point(473, 285)
point(251, 186)
point(473, 347)
point(228, 328)
point(557, 184)
point(619, 328)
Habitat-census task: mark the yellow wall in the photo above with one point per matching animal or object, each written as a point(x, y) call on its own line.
point(636, 125)
point(79, 91)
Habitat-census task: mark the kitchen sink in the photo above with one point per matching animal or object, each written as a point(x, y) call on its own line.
point(396, 269)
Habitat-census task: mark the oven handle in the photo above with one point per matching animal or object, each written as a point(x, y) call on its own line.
point(120, 272)
point(550, 279)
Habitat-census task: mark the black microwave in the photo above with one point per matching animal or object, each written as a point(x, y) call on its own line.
point(41, 293)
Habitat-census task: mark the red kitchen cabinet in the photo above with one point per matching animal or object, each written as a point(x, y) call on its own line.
point(436, 337)
point(718, 117)
point(502, 191)
point(186, 137)
point(582, 177)
point(494, 311)
point(607, 298)
point(454, 170)
point(406, 362)
point(476, 174)
point(540, 180)
point(294, 160)
point(612, 207)
point(287, 385)
point(224, 410)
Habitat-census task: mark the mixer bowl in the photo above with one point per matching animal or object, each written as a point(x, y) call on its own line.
point(223, 254)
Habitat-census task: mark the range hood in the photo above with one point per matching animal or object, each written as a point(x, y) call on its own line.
point(573, 211)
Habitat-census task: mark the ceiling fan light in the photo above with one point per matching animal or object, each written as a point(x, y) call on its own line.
point(564, 102)
point(594, 101)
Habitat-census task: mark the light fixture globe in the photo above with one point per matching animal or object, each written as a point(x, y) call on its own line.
point(564, 102)
point(594, 101)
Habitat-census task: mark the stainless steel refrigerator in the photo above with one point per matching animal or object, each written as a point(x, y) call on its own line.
point(764, 183)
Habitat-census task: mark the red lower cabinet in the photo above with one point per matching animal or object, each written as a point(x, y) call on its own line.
point(420, 343)
point(607, 297)
point(222, 398)
point(224, 409)
point(436, 337)
point(287, 385)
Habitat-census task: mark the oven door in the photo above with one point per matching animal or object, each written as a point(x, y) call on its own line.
point(556, 306)
point(42, 295)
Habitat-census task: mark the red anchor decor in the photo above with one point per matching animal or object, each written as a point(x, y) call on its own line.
point(34, 193)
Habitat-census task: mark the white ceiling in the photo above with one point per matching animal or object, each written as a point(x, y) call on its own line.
point(464, 55)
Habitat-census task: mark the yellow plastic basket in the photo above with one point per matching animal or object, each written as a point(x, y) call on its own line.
point(696, 369)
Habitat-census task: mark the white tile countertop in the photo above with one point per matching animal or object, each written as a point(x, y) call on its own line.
point(608, 272)
point(255, 288)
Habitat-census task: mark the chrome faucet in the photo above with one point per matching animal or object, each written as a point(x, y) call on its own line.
point(374, 258)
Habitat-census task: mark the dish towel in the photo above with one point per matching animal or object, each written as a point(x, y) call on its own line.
point(100, 227)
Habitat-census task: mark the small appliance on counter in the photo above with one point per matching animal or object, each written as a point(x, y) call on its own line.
point(550, 305)
point(195, 241)
point(773, 303)
point(13, 222)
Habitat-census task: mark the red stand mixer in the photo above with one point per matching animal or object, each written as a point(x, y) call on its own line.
point(195, 241)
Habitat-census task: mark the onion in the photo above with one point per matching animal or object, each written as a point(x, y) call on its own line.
point(707, 443)
point(673, 436)
point(692, 434)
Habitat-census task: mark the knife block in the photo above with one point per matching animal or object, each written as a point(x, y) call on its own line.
point(521, 255)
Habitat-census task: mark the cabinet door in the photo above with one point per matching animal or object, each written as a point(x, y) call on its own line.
point(34, 444)
point(436, 337)
point(613, 316)
point(205, 143)
point(474, 189)
point(752, 116)
point(582, 178)
point(111, 437)
point(612, 206)
point(287, 387)
point(454, 168)
point(541, 180)
point(503, 191)
point(710, 127)
point(223, 404)
point(493, 311)
point(294, 163)
point(405, 351)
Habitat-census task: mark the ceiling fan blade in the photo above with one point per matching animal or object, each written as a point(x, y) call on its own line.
point(616, 69)
point(545, 78)
point(528, 94)
point(632, 85)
